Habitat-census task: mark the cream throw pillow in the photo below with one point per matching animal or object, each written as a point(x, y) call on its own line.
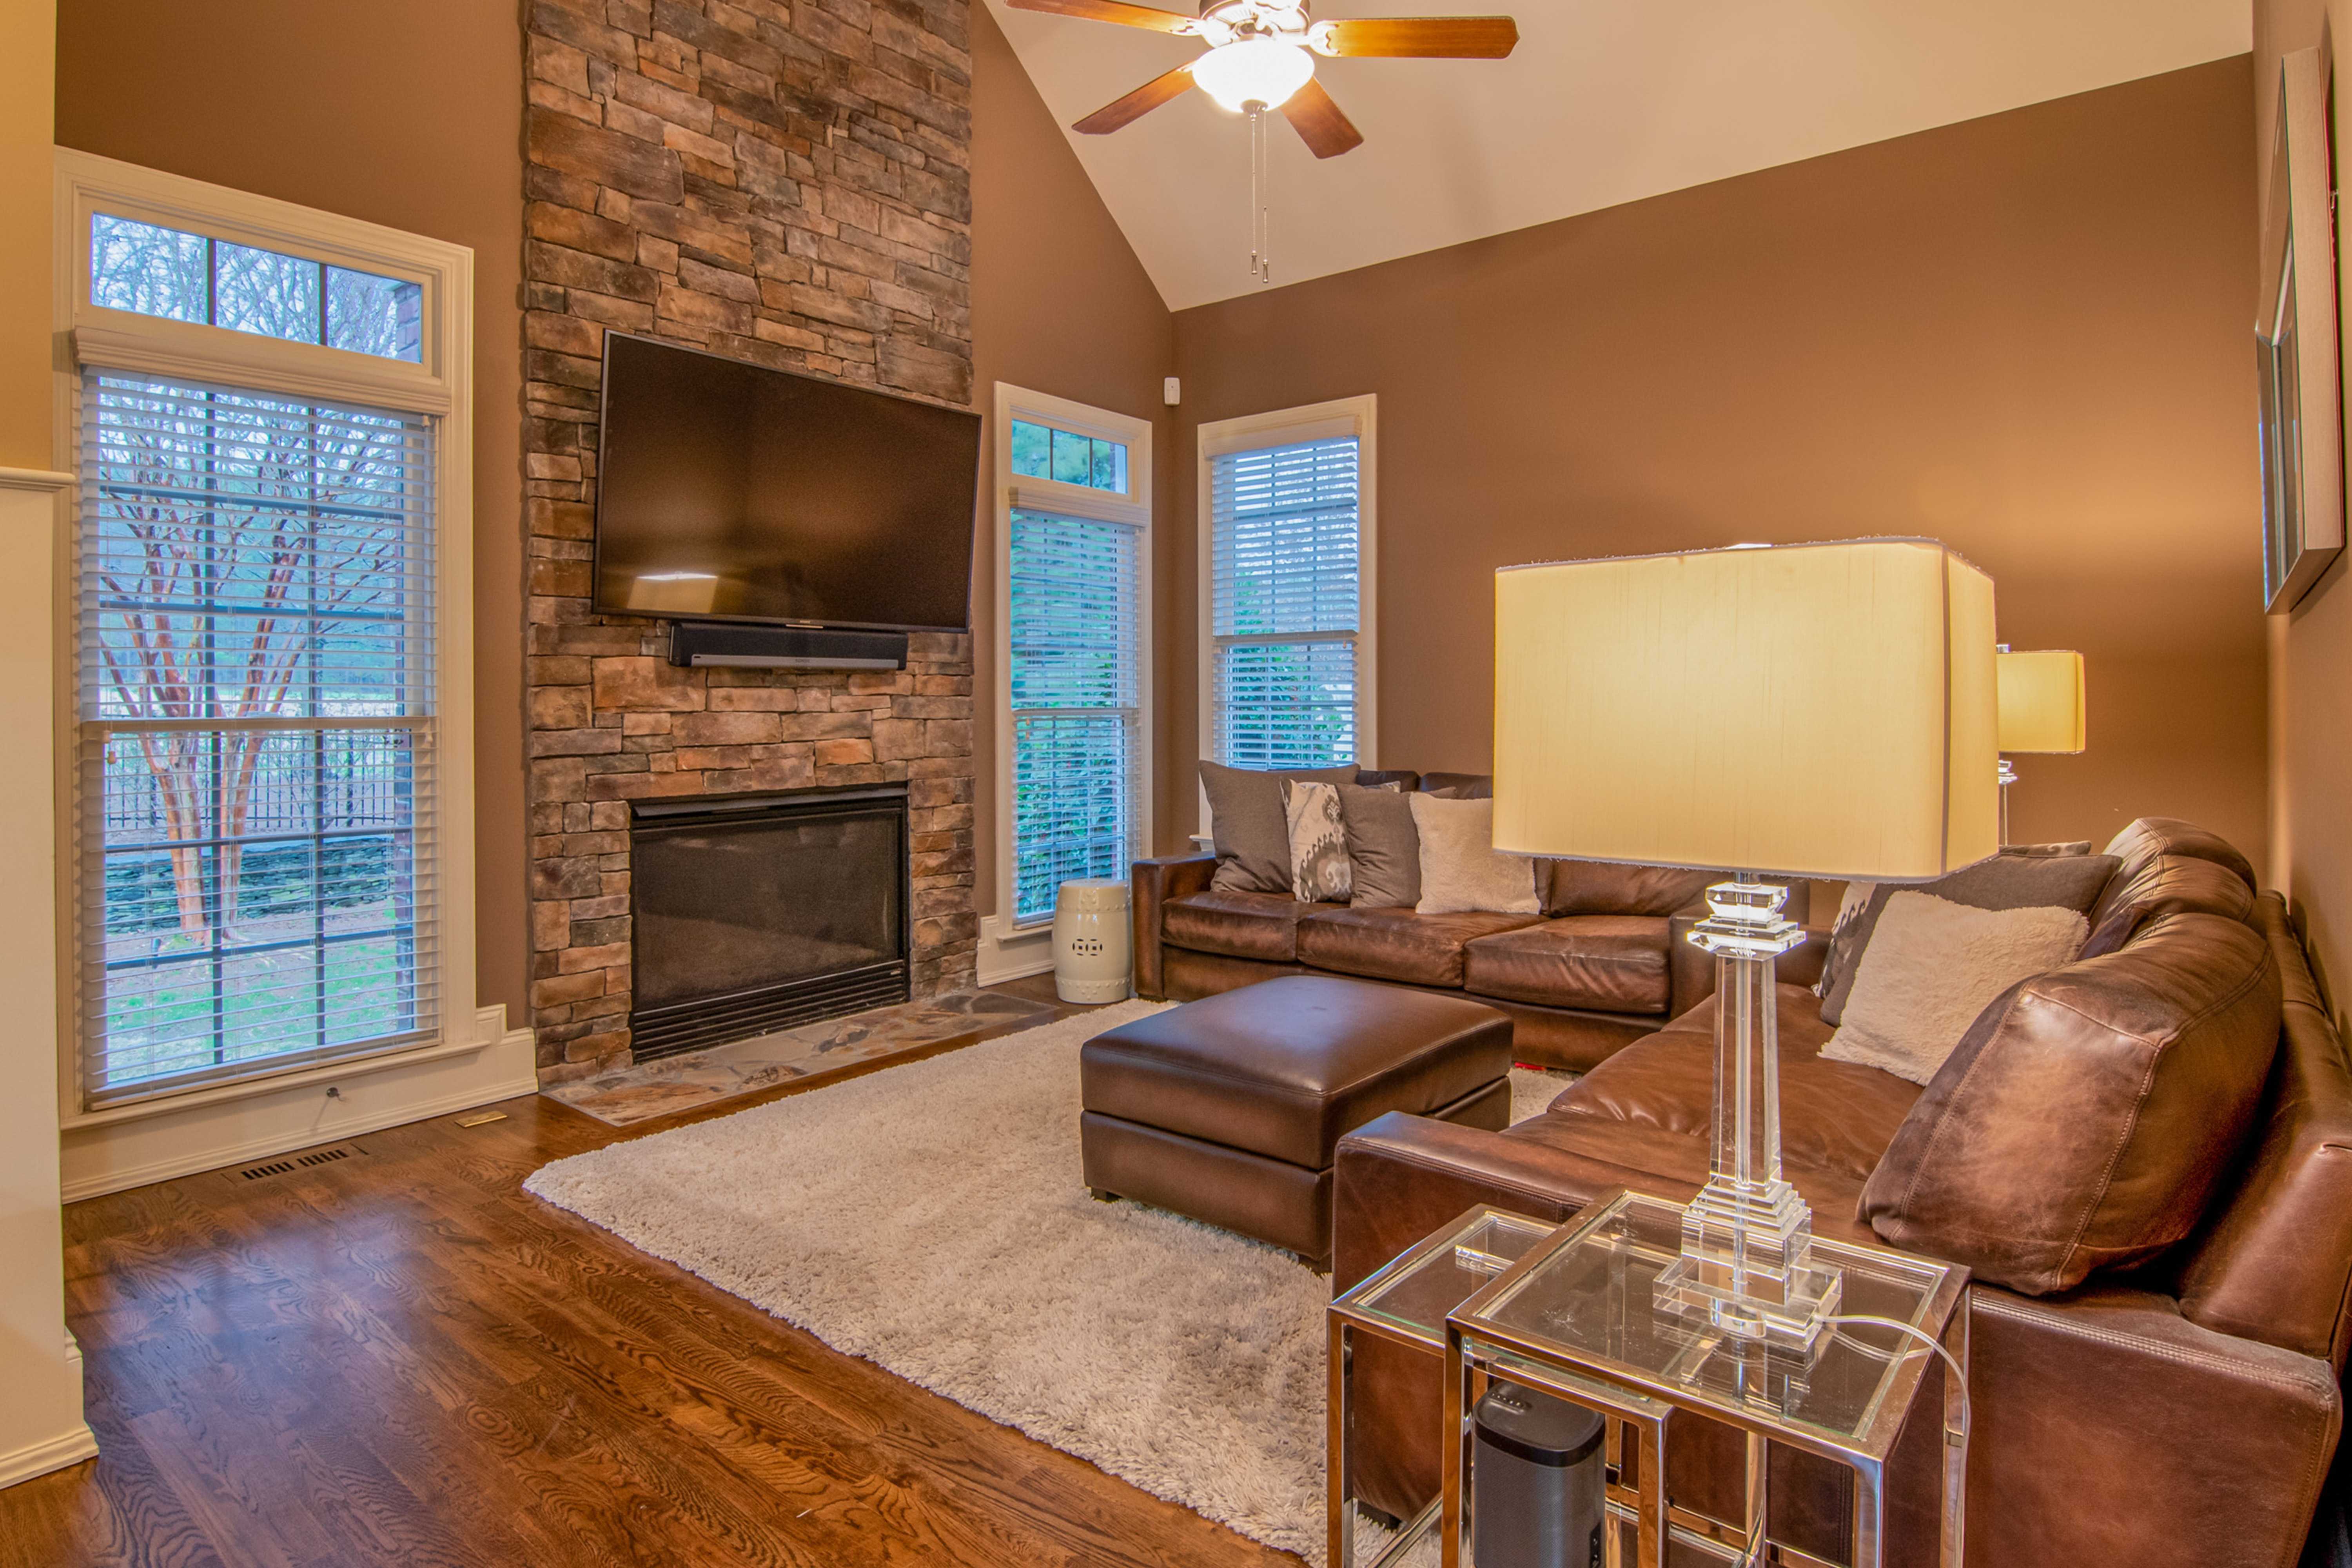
point(1460, 868)
point(1932, 966)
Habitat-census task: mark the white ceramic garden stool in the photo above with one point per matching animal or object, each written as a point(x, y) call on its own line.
point(1093, 943)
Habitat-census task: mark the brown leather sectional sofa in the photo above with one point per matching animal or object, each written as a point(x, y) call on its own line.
point(2179, 1412)
point(1599, 969)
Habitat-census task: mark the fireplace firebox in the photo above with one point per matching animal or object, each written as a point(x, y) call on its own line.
point(754, 913)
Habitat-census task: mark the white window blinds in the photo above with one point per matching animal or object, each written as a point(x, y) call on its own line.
point(256, 737)
point(1285, 603)
point(1076, 675)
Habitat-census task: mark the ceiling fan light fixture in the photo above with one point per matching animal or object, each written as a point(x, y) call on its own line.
point(1254, 71)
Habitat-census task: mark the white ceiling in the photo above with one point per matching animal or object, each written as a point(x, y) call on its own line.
point(1604, 102)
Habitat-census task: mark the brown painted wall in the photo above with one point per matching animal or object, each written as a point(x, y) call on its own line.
point(410, 117)
point(2311, 650)
point(2025, 334)
point(1059, 305)
point(26, 383)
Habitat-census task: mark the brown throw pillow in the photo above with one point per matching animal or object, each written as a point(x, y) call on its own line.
point(1253, 835)
point(1383, 850)
point(2087, 1115)
point(2003, 882)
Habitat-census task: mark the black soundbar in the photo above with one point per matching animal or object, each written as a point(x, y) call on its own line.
point(722, 643)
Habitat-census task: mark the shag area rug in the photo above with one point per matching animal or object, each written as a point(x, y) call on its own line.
point(932, 1218)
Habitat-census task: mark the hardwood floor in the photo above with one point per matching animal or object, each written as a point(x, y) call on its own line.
point(404, 1358)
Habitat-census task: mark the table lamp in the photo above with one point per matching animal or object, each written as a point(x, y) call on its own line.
point(1787, 711)
point(2042, 709)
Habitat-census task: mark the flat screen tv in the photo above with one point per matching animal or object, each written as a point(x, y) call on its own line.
point(728, 491)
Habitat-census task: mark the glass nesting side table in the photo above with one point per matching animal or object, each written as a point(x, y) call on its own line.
point(1570, 1309)
point(1406, 1302)
point(1577, 1316)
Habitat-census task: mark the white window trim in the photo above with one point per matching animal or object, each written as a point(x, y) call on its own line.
point(1357, 416)
point(1020, 947)
point(441, 386)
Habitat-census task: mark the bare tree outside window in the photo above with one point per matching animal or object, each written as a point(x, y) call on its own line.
point(256, 679)
point(253, 581)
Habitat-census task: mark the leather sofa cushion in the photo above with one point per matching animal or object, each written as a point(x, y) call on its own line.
point(2088, 1115)
point(1397, 944)
point(1835, 1116)
point(2274, 1262)
point(1459, 786)
point(1263, 926)
point(1405, 779)
point(2164, 884)
point(2149, 836)
point(1612, 964)
point(1289, 1068)
point(1596, 887)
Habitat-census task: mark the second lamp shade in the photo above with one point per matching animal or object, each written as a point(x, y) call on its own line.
point(2041, 707)
point(1816, 710)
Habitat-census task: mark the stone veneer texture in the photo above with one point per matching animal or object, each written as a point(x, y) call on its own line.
point(787, 184)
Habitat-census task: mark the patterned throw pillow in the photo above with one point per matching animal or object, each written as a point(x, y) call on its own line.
point(1844, 933)
point(1319, 868)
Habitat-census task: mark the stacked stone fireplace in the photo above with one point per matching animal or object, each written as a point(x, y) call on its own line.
point(787, 184)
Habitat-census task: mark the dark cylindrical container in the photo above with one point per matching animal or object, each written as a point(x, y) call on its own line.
point(1537, 1492)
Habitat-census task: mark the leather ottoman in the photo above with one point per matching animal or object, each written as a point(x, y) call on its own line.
point(1228, 1109)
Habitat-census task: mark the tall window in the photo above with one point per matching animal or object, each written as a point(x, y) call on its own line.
point(1288, 644)
point(1076, 516)
point(257, 694)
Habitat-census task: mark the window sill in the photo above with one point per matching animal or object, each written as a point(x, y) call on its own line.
point(273, 1083)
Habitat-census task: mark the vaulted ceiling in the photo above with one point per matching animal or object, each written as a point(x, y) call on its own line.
point(1604, 102)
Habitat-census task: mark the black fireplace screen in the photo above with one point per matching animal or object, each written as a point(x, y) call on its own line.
point(752, 916)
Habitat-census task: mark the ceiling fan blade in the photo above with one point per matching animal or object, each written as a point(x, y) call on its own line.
point(1117, 11)
point(1125, 111)
point(1319, 122)
point(1418, 37)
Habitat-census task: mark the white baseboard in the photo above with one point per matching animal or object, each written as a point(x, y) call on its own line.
point(110, 1157)
point(51, 1454)
point(1007, 954)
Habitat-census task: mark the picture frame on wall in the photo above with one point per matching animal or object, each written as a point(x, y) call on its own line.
point(2296, 345)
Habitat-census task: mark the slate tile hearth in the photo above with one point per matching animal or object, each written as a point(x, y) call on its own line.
point(696, 1079)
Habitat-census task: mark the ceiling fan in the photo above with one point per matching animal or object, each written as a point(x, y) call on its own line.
point(1262, 53)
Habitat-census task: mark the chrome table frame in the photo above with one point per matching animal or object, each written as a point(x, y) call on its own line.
point(1477, 1351)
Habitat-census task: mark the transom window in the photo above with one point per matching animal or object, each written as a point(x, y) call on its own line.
point(181, 276)
point(1287, 604)
point(1066, 457)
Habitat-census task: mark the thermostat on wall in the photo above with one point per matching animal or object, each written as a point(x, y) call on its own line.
point(1171, 392)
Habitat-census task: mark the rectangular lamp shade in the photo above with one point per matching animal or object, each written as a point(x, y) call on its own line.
point(1813, 710)
point(2041, 707)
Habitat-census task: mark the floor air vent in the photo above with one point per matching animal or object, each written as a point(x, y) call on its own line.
point(300, 1161)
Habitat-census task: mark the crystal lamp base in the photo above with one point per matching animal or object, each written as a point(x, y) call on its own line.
point(1747, 1265)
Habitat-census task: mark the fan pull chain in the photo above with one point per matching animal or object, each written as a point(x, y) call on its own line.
point(1261, 195)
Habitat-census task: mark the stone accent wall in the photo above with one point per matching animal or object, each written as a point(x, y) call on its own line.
point(787, 184)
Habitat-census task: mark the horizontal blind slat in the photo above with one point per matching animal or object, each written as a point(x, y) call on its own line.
point(256, 829)
point(1075, 632)
point(1286, 570)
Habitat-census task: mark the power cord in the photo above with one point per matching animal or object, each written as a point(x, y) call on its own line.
point(1959, 1377)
